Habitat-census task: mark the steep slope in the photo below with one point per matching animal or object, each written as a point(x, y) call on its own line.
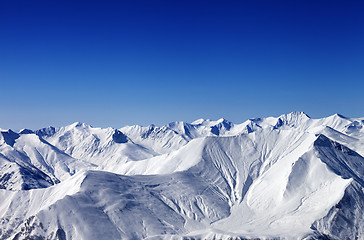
point(270, 178)
point(105, 148)
point(295, 191)
point(132, 143)
point(16, 171)
point(290, 177)
point(251, 185)
point(14, 176)
point(345, 220)
point(174, 135)
point(177, 134)
point(347, 131)
point(48, 158)
point(103, 205)
point(18, 208)
point(28, 156)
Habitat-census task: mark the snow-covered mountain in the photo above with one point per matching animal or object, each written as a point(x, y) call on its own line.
point(287, 177)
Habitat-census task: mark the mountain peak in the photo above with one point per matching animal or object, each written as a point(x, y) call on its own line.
point(337, 115)
point(148, 182)
point(221, 120)
point(48, 131)
point(297, 114)
point(8, 137)
point(26, 131)
point(79, 125)
point(119, 137)
point(210, 122)
point(198, 121)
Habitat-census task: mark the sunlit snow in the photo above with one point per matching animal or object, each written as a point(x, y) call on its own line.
point(289, 177)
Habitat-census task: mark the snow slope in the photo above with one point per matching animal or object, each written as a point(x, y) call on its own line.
point(105, 148)
point(288, 177)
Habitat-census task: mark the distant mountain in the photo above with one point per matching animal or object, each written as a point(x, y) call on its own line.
point(287, 177)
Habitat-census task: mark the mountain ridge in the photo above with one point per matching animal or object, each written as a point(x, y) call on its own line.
point(206, 179)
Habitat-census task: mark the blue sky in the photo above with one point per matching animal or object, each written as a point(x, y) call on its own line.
point(113, 63)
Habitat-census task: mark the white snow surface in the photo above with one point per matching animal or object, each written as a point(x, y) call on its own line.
point(286, 177)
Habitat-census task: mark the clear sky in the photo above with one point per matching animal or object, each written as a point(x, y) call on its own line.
point(114, 63)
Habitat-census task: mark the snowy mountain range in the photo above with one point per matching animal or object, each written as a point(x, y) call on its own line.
point(286, 177)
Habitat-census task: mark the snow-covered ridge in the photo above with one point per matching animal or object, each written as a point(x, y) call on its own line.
point(176, 134)
point(206, 179)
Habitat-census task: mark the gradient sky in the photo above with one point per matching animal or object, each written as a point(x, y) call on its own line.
point(116, 63)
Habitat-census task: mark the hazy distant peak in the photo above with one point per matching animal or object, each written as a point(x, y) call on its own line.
point(220, 120)
point(176, 124)
point(79, 125)
point(26, 131)
point(209, 122)
point(8, 137)
point(48, 131)
point(198, 121)
point(295, 115)
point(339, 116)
point(119, 137)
